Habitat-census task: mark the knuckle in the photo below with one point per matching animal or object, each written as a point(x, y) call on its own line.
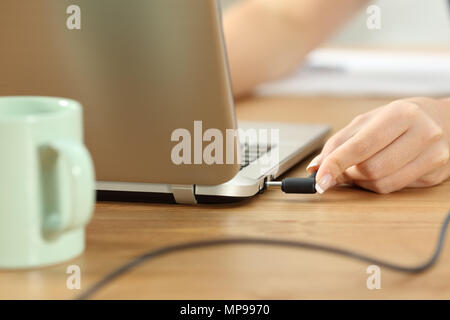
point(406, 109)
point(430, 134)
point(429, 180)
point(369, 170)
point(333, 143)
point(436, 133)
point(379, 186)
point(443, 157)
point(358, 119)
point(361, 146)
point(410, 110)
point(420, 100)
point(336, 164)
point(396, 105)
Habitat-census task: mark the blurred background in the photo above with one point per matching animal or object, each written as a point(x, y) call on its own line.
point(410, 23)
point(409, 55)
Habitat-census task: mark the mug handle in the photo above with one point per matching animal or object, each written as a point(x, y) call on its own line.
point(79, 191)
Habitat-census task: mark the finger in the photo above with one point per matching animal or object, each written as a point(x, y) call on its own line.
point(344, 179)
point(313, 166)
point(432, 178)
point(433, 158)
point(400, 152)
point(338, 139)
point(375, 136)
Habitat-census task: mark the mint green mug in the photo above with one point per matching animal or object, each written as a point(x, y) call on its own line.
point(47, 184)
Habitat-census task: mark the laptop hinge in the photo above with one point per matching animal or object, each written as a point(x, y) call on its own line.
point(184, 193)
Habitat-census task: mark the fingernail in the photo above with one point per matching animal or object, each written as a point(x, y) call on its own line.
point(324, 183)
point(314, 165)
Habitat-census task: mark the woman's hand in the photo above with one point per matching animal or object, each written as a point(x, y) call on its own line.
point(402, 144)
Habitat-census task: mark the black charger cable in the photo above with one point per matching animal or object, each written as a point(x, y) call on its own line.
point(295, 185)
point(153, 254)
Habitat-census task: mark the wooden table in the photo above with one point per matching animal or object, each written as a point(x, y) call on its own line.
point(400, 227)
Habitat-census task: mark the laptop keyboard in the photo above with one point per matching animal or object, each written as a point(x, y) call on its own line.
point(251, 152)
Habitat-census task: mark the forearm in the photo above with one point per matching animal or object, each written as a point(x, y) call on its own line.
point(268, 38)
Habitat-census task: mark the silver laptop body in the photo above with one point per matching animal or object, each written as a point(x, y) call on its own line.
point(143, 70)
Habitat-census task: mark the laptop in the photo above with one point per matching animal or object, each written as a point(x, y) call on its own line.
point(153, 79)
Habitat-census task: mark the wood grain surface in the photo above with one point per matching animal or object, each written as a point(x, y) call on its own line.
point(400, 227)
